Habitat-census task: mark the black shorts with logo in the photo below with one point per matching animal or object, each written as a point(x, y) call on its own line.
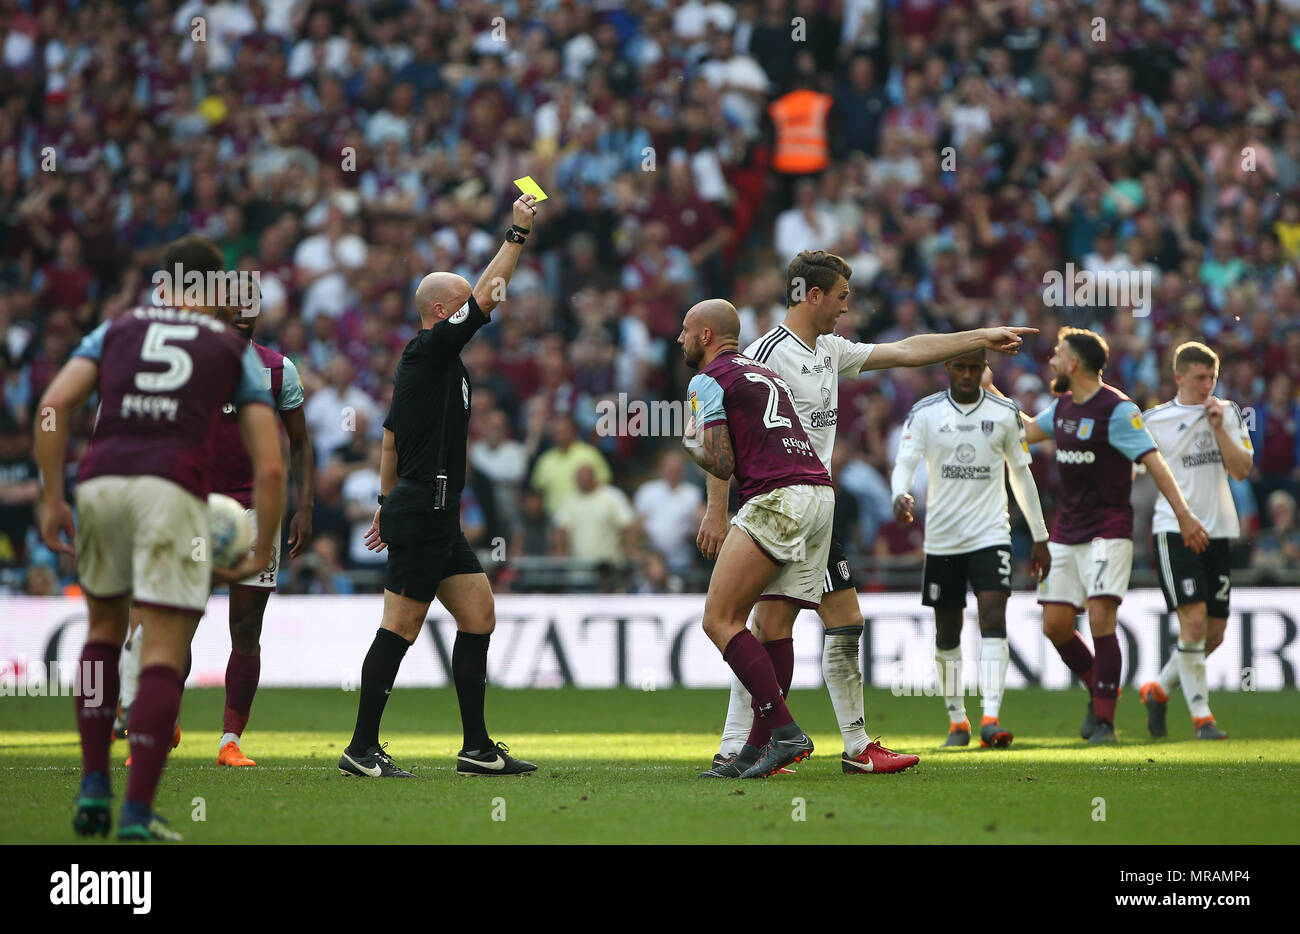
point(425, 546)
point(944, 580)
point(1186, 577)
point(838, 574)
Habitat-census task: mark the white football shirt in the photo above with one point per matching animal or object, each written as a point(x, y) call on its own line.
point(1188, 445)
point(965, 449)
point(813, 374)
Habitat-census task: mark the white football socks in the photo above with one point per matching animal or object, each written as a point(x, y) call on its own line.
point(1168, 678)
point(129, 669)
point(994, 656)
point(842, 672)
point(740, 718)
point(1191, 671)
point(227, 738)
point(947, 663)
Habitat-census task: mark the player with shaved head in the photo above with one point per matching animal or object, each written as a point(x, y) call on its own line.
point(422, 473)
point(811, 359)
point(744, 423)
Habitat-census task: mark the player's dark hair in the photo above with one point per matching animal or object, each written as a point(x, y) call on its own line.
point(194, 253)
point(1089, 346)
point(813, 269)
point(1193, 352)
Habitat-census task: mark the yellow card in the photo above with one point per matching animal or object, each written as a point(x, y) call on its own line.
point(530, 187)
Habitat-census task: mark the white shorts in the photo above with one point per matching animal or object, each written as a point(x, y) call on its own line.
point(792, 525)
point(264, 579)
point(143, 537)
point(1099, 568)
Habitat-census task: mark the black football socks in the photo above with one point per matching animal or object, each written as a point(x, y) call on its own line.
point(469, 671)
point(378, 672)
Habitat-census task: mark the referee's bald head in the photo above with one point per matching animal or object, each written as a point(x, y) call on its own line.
point(440, 295)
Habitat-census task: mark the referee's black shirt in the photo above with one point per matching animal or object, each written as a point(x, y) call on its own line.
point(432, 380)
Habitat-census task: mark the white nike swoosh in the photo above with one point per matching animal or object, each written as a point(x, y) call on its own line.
point(867, 766)
point(496, 765)
point(373, 771)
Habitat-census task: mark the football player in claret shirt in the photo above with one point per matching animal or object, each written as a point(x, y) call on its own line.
point(162, 375)
point(745, 423)
point(1099, 435)
point(232, 474)
point(806, 353)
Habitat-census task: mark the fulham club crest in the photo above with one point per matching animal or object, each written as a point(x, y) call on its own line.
point(986, 427)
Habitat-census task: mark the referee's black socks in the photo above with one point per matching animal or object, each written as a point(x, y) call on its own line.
point(469, 670)
point(378, 672)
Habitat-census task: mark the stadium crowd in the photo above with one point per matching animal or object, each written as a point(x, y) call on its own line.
point(342, 150)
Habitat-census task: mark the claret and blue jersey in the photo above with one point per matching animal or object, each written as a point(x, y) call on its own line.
point(1097, 442)
point(772, 449)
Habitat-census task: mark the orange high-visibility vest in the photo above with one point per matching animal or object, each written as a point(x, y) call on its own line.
point(801, 143)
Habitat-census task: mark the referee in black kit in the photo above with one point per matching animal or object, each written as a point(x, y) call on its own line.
point(422, 472)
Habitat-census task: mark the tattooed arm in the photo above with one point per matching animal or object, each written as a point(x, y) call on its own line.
point(710, 447)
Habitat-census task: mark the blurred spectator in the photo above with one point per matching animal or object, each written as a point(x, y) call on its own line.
point(1277, 441)
point(670, 510)
point(360, 500)
point(807, 225)
point(321, 570)
point(338, 410)
point(595, 521)
point(502, 460)
point(322, 263)
point(1278, 549)
point(20, 488)
point(532, 536)
point(555, 473)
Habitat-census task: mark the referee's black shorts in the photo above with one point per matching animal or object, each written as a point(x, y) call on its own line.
point(425, 546)
point(839, 576)
point(1186, 577)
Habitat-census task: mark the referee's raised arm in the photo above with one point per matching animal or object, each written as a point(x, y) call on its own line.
point(444, 299)
point(491, 288)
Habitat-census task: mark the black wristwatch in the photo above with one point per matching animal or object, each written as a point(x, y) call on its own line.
point(516, 234)
point(381, 499)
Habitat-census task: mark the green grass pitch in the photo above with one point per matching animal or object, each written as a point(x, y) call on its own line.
point(620, 767)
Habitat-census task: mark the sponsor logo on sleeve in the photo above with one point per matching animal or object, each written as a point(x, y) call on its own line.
point(1136, 420)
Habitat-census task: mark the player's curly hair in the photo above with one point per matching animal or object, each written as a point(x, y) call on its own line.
point(813, 269)
point(1089, 346)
